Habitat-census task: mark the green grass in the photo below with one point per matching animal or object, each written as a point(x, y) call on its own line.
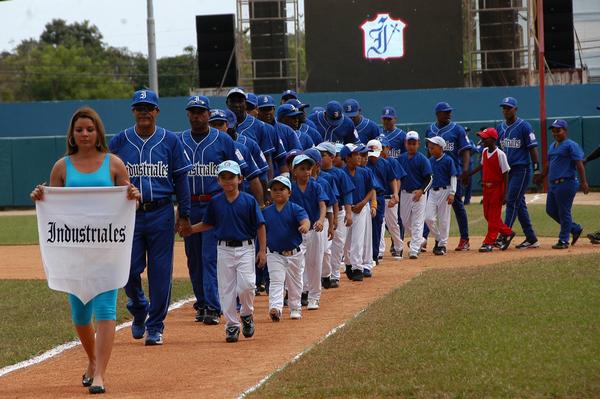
point(23, 229)
point(34, 318)
point(527, 330)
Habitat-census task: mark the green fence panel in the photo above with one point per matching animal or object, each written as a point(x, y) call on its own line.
point(6, 173)
point(591, 141)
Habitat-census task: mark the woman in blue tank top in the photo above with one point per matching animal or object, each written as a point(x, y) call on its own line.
point(89, 164)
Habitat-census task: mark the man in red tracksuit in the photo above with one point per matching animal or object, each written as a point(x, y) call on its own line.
point(494, 167)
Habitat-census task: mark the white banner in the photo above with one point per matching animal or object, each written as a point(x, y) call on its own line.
point(85, 238)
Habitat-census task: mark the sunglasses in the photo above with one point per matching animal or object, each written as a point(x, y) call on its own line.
point(144, 108)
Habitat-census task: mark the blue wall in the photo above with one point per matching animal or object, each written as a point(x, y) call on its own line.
point(413, 106)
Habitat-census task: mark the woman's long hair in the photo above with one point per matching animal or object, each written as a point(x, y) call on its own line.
point(91, 114)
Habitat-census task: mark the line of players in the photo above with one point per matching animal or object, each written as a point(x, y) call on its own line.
point(346, 177)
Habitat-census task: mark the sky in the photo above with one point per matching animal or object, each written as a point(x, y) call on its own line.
point(121, 22)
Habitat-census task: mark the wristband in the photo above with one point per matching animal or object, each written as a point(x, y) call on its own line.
point(536, 168)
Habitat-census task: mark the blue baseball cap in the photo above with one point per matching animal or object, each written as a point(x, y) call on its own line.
point(351, 107)
point(252, 99)
point(217, 115)
point(231, 118)
point(334, 113)
point(338, 147)
point(314, 154)
point(297, 103)
point(287, 110)
point(281, 179)
point(144, 97)
point(237, 90)
point(326, 146)
point(302, 158)
point(265, 101)
point(289, 94)
point(388, 112)
point(229, 166)
point(509, 102)
point(559, 124)
point(443, 107)
point(199, 102)
point(350, 148)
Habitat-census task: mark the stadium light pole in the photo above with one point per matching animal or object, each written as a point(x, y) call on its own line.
point(152, 68)
point(542, 83)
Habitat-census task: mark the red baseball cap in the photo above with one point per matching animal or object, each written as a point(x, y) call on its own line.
point(488, 132)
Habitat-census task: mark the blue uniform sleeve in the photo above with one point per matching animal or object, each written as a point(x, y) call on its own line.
point(462, 140)
point(315, 135)
point(231, 153)
point(292, 142)
point(264, 135)
point(400, 172)
point(258, 156)
point(279, 151)
point(429, 132)
point(528, 135)
point(351, 135)
point(452, 168)
point(181, 161)
point(249, 169)
point(115, 143)
point(260, 219)
point(576, 152)
point(346, 189)
point(211, 212)
point(306, 141)
point(330, 193)
point(299, 212)
point(182, 192)
point(425, 165)
point(321, 194)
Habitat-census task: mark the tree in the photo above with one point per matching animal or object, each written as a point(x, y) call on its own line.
point(59, 33)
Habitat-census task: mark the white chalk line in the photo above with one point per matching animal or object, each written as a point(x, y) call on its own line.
point(64, 347)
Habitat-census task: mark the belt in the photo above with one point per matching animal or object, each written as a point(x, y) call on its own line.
point(201, 197)
point(561, 180)
point(152, 205)
point(234, 243)
point(439, 188)
point(291, 252)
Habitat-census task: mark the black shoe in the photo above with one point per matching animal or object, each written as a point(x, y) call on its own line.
point(576, 237)
point(561, 245)
point(349, 272)
point(285, 300)
point(304, 299)
point(436, 245)
point(211, 317)
point(357, 275)
point(499, 241)
point(380, 257)
point(443, 250)
point(594, 236)
point(367, 273)
point(438, 251)
point(86, 381)
point(334, 283)
point(528, 244)
point(486, 248)
point(96, 389)
point(200, 315)
point(232, 334)
point(326, 282)
point(507, 240)
point(247, 326)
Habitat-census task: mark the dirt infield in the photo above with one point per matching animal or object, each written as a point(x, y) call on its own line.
point(196, 362)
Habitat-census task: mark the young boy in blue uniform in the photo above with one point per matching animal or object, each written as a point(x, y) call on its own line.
point(565, 157)
point(237, 222)
point(286, 223)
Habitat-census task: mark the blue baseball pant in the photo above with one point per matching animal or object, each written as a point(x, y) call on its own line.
point(519, 178)
point(558, 206)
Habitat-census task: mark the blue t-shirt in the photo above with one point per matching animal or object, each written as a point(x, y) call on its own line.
point(398, 169)
point(343, 133)
point(367, 130)
point(328, 186)
point(343, 184)
point(443, 169)
point(282, 227)
point(516, 140)
point(561, 159)
point(363, 181)
point(396, 138)
point(417, 169)
point(385, 174)
point(456, 140)
point(205, 155)
point(238, 220)
point(258, 132)
point(309, 128)
point(309, 199)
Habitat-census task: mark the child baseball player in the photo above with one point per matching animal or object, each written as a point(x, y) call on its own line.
point(441, 193)
point(392, 221)
point(237, 221)
point(414, 185)
point(307, 193)
point(286, 223)
point(358, 252)
point(494, 178)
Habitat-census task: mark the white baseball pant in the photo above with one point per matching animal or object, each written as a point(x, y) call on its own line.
point(326, 271)
point(413, 218)
point(236, 278)
point(358, 250)
point(288, 270)
point(337, 245)
point(437, 215)
point(313, 265)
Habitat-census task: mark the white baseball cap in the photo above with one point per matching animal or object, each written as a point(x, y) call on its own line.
point(283, 180)
point(412, 135)
point(437, 140)
point(374, 147)
point(229, 166)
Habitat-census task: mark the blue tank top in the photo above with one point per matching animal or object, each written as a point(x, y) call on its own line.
point(99, 178)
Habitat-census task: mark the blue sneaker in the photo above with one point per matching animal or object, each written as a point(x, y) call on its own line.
point(138, 328)
point(154, 338)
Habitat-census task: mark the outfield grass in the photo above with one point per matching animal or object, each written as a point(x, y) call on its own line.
point(527, 330)
point(23, 229)
point(34, 318)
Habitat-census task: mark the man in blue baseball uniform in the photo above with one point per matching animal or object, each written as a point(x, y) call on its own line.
point(458, 146)
point(158, 166)
point(288, 95)
point(207, 147)
point(565, 160)
point(366, 128)
point(394, 135)
point(289, 115)
point(518, 141)
point(306, 125)
point(334, 126)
